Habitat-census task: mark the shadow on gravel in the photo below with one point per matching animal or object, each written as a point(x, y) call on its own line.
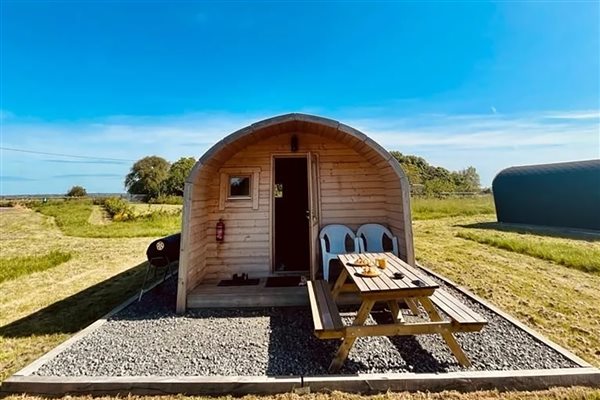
point(564, 233)
point(75, 312)
point(294, 350)
point(417, 359)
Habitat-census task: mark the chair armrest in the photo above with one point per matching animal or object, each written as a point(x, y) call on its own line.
point(395, 246)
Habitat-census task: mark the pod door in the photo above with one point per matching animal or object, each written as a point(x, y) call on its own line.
point(291, 245)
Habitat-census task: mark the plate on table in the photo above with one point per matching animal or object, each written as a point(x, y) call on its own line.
point(361, 262)
point(369, 272)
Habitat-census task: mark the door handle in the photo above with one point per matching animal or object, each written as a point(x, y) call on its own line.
point(308, 214)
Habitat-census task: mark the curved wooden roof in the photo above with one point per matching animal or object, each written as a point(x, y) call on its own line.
point(295, 122)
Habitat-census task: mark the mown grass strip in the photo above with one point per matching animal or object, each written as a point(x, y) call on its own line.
point(585, 259)
point(13, 267)
point(72, 217)
point(434, 208)
point(555, 393)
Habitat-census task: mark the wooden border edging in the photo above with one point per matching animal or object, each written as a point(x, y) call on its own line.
point(361, 383)
point(461, 381)
point(537, 336)
point(150, 385)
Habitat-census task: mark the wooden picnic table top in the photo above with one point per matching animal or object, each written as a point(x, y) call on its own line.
point(386, 285)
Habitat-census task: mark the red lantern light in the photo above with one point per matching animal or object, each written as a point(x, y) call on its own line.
point(220, 231)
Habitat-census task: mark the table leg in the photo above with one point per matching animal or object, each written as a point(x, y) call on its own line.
point(348, 342)
point(337, 287)
point(396, 313)
point(413, 306)
point(447, 336)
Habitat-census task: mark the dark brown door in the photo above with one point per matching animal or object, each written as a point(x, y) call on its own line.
point(291, 239)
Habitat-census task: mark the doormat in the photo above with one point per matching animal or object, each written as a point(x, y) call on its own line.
point(283, 281)
point(239, 282)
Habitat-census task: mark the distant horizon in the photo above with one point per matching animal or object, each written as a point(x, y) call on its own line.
point(490, 85)
point(62, 194)
point(125, 193)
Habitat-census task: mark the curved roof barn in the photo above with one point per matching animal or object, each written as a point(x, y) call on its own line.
point(562, 194)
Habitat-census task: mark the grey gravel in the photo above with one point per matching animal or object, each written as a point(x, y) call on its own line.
point(148, 338)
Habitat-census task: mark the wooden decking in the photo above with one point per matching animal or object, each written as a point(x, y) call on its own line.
point(209, 295)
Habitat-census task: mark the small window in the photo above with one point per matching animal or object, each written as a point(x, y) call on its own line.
point(239, 187)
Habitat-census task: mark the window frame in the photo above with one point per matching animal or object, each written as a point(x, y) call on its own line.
point(225, 198)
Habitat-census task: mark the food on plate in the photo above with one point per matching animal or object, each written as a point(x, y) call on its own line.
point(362, 261)
point(369, 270)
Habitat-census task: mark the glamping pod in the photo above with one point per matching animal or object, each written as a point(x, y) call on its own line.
point(562, 195)
point(255, 202)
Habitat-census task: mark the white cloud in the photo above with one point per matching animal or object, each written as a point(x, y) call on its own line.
point(479, 131)
point(586, 114)
point(489, 142)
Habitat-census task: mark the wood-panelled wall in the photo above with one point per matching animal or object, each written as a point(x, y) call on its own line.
point(357, 186)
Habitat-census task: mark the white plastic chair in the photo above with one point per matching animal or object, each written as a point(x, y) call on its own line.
point(336, 235)
point(370, 238)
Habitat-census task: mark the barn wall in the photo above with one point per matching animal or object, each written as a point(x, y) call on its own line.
point(356, 187)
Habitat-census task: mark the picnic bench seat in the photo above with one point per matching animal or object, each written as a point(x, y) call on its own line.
point(325, 313)
point(463, 318)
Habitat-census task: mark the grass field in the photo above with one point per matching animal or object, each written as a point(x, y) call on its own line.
point(433, 208)
point(82, 219)
point(13, 267)
point(43, 308)
point(560, 302)
point(580, 254)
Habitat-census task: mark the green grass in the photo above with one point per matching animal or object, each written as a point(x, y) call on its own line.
point(72, 217)
point(13, 267)
point(433, 208)
point(555, 393)
point(572, 255)
point(40, 310)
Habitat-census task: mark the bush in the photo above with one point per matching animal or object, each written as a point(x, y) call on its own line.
point(119, 209)
point(99, 201)
point(77, 191)
point(162, 199)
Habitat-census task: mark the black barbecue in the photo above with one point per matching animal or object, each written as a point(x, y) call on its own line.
point(163, 252)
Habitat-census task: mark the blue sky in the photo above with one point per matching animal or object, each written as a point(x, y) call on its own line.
point(464, 83)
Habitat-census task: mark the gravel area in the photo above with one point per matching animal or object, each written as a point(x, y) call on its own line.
point(148, 338)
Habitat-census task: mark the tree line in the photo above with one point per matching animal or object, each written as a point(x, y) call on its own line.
point(154, 176)
point(158, 179)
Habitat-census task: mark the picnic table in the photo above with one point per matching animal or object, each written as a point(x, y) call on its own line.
point(397, 283)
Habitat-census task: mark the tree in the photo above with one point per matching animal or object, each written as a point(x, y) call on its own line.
point(178, 173)
point(467, 180)
point(77, 191)
point(436, 180)
point(438, 186)
point(147, 176)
